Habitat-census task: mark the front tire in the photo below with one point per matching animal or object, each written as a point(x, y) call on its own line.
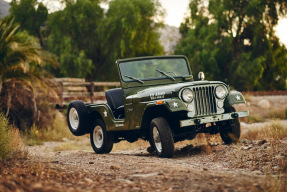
point(230, 130)
point(161, 137)
point(102, 141)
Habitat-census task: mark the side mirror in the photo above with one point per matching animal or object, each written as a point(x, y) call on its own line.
point(201, 76)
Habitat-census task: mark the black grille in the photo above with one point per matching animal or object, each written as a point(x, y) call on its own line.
point(204, 100)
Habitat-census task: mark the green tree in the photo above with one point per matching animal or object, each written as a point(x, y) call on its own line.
point(74, 37)
point(129, 30)
point(31, 16)
point(234, 41)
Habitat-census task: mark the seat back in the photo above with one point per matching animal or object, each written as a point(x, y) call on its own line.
point(115, 98)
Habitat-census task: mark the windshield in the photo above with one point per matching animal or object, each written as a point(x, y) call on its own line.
point(149, 69)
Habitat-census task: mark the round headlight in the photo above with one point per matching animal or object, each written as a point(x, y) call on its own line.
point(220, 92)
point(187, 95)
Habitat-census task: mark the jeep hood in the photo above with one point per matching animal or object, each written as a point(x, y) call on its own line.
point(163, 91)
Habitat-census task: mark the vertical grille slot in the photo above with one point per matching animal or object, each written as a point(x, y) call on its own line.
point(204, 100)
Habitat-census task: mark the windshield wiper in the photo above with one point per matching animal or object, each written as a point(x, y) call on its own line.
point(164, 73)
point(133, 78)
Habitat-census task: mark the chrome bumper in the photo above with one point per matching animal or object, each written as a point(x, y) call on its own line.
point(213, 118)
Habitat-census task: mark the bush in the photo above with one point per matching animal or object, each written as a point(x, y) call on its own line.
point(9, 138)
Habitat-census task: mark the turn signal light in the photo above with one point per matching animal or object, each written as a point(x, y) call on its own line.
point(159, 102)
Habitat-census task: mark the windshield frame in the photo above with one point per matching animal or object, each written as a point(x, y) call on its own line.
point(118, 62)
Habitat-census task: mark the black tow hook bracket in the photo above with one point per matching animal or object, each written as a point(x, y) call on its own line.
point(197, 121)
point(234, 115)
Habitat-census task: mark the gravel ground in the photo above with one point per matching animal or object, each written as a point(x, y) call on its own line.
point(209, 167)
point(250, 165)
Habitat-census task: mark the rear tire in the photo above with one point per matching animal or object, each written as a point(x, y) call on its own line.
point(161, 137)
point(78, 118)
point(230, 130)
point(102, 141)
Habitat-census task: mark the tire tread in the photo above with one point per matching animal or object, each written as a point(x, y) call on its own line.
point(166, 137)
point(108, 138)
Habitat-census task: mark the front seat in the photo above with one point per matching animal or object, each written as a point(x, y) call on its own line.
point(116, 102)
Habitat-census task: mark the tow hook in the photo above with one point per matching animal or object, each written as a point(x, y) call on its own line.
point(197, 121)
point(234, 115)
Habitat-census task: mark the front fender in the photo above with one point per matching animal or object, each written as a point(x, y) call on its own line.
point(234, 97)
point(175, 104)
point(172, 105)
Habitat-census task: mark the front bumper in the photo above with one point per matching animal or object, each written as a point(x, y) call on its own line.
point(213, 118)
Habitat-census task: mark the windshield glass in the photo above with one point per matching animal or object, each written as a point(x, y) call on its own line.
point(158, 68)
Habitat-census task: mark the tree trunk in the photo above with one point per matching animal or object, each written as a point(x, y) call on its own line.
point(8, 103)
point(10, 93)
point(0, 85)
point(35, 109)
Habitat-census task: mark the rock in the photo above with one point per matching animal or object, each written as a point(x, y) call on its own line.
point(205, 169)
point(145, 175)
point(269, 148)
point(243, 124)
point(115, 167)
point(89, 181)
point(261, 142)
point(284, 140)
point(54, 161)
point(243, 141)
point(37, 186)
point(256, 172)
point(125, 181)
point(91, 162)
point(279, 157)
point(247, 147)
point(264, 104)
point(65, 139)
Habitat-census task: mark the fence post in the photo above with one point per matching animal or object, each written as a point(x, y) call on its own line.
point(61, 94)
point(92, 92)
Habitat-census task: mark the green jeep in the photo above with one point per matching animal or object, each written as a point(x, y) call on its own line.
point(160, 102)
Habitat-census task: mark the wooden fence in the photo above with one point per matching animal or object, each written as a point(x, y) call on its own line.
point(78, 89)
point(75, 88)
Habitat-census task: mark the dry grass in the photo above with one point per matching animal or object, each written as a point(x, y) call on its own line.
point(275, 130)
point(277, 183)
point(56, 132)
point(254, 119)
point(83, 144)
point(10, 142)
point(275, 114)
point(67, 146)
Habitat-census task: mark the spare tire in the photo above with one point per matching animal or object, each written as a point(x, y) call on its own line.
point(78, 118)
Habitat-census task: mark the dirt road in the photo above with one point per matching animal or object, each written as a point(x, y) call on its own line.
point(209, 167)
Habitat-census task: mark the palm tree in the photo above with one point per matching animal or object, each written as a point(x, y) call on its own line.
point(21, 61)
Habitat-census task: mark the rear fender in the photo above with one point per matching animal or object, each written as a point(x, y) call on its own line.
point(106, 115)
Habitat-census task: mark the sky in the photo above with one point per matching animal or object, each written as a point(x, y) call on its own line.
point(176, 11)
